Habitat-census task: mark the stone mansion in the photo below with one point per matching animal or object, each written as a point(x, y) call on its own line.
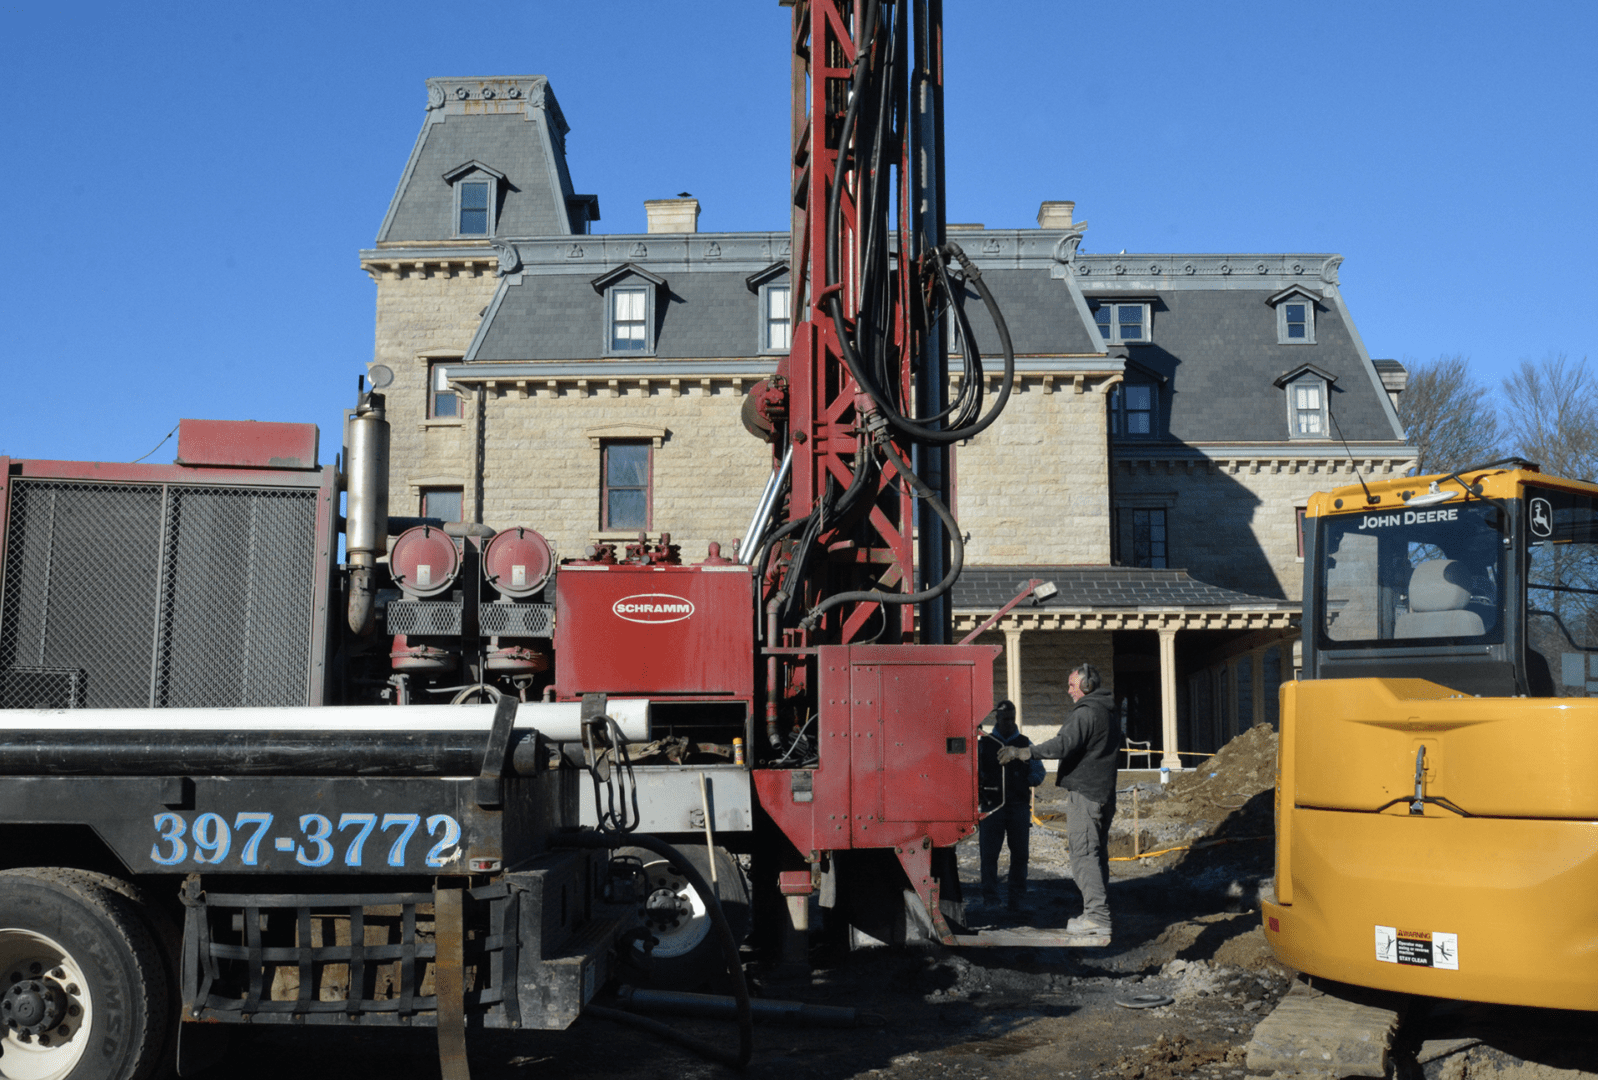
point(1170, 412)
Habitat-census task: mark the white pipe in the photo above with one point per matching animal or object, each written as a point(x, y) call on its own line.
point(768, 499)
point(558, 721)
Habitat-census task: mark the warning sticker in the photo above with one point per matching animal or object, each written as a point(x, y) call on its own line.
point(1418, 948)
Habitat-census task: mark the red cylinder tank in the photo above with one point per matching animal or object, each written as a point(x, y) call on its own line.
point(517, 562)
point(424, 562)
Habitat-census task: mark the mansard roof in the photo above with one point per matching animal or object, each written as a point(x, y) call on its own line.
point(511, 127)
point(1213, 337)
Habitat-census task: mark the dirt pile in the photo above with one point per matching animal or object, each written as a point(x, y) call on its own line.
point(1223, 784)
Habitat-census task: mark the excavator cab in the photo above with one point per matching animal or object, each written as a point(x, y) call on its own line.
point(1490, 593)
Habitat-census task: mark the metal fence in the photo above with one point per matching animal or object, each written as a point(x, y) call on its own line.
point(168, 595)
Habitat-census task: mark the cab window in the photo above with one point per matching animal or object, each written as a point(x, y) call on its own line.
point(1429, 575)
point(1562, 590)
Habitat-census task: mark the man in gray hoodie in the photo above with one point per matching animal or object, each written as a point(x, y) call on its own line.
point(1087, 745)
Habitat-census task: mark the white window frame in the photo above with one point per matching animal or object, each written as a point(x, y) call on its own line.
point(1282, 323)
point(612, 295)
point(1305, 382)
point(1114, 337)
point(768, 340)
point(476, 176)
point(1119, 410)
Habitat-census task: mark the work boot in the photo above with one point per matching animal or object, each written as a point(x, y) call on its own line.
point(1087, 925)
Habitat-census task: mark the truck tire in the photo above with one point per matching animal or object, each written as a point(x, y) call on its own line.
point(688, 955)
point(84, 992)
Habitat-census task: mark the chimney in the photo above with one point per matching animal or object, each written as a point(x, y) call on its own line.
point(1055, 215)
point(672, 215)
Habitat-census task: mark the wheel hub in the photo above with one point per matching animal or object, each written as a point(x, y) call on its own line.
point(32, 1006)
point(666, 909)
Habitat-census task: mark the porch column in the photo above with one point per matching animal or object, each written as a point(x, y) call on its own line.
point(1257, 710)
point(1012, 669)
point(1234, 704)
point(1169, 759)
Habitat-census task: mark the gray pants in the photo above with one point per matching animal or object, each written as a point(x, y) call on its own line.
point(1087, 830)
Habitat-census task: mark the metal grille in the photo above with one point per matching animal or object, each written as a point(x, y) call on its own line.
point(125, 595)
point(423, 617)
point(442, 618)
point(517, 620)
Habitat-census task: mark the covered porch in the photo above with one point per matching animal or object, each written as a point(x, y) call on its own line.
point(1190, 664)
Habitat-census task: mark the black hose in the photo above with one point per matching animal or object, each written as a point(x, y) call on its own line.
point(718, 918)
point(877, 596)
point(879, 384)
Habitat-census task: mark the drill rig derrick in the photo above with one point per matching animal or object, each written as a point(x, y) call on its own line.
point(861, 426)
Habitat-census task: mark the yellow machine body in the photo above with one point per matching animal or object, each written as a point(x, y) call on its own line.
point(1430, 841)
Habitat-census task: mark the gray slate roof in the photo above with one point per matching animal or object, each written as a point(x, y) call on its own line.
point(560, 317)
point(988, 588)
point(516, 129)
point(1218, 353)
point(1214, 349)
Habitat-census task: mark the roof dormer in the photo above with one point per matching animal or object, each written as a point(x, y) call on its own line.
point(1295, 315)
point(477, 194)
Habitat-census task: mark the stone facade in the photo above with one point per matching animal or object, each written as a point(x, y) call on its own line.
point(1233, 521)
point(426, 311)
point(1034, 488)
point(542, 460)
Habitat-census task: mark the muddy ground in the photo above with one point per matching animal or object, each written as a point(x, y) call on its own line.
point(1186, 928)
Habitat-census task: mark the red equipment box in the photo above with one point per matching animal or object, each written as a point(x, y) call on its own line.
point(247, 444)
point(679, 631)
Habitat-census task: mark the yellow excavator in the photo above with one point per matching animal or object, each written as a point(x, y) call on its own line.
point(1437, 783)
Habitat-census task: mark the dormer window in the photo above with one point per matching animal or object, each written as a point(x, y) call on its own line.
point(477, 189)
point(629, 293)
point(775, 327)
point(629, 315)
point(1295, 316)
point(1309, 409)
point(1308, 401)
point(1123, 323)
point(474, 208)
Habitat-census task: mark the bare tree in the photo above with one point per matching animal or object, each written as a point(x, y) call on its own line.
point(1447, 416)
point(1552, 408)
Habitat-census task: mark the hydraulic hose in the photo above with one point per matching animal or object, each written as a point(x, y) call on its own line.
point(723, 930)
point(956, 550)
point(871, 206)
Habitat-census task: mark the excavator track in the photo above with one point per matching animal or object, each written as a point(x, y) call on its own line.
point(1324, 1029)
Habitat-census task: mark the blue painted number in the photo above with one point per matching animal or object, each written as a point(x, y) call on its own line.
point(171, 827)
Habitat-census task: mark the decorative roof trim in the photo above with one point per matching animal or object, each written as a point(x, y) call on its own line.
point(1294, 290)
point(606, 280)
point(465, 167)
point(1288, 376)
point(755, 280)
point(1099, 619)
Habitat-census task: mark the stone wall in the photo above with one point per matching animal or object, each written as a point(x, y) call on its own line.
point(1034, 488)
point(542, 468)
point(426, 315)
point(1233, 524)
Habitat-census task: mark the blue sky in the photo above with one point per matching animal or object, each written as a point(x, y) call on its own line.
point(188, 185)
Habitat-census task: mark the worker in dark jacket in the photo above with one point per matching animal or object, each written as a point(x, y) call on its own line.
point(1087, 746)
point(1005, 795)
